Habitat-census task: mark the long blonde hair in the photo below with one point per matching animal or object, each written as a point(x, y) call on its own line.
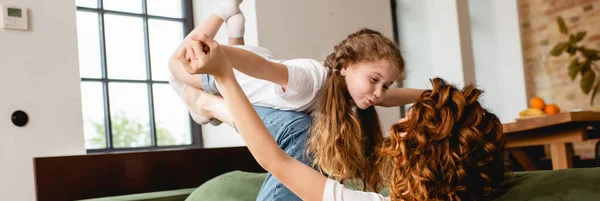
point(450, 148)
point(341, 144)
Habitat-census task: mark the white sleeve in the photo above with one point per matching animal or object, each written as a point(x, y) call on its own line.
point(334, 191)
point(305, 79)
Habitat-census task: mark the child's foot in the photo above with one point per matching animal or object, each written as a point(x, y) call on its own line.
point(199, 114)
point(205, 100)
point(228, 8)
point(236, 25)
point(181, 89)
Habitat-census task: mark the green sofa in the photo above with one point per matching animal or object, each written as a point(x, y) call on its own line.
point(572, 184)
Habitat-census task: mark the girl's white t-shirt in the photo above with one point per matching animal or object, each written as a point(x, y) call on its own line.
point(305, 78)
point(334, 191)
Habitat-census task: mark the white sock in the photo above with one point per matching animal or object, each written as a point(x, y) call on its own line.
point(236, 25)
point(179, 88)
point(227, 8)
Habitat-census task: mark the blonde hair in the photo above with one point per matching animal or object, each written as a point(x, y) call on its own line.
point(450, 148)
point(340, 144)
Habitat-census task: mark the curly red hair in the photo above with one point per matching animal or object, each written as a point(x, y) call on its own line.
point(450, 148)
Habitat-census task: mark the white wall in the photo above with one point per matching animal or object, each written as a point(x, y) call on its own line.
point(434, 42)
point(39, 74)
point(498, 56)
point(309, 29)
point(466, 41)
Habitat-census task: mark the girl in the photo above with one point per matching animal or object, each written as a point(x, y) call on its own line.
point(341, 92)
point(449, 147)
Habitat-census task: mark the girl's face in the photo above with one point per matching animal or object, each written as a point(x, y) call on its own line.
point(368, 81)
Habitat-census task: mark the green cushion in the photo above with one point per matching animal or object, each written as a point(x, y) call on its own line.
point(232, 186)
point(571, 184)
point(172, 195)
point(579, 184)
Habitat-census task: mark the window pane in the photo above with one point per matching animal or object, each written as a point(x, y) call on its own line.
point(171, 116)
point(125, 53)
point(129, 115)
point(87, 3)
point(167, 8)
point(131, 6)
point(93, 115)
point(165, 36)
point(88, 40)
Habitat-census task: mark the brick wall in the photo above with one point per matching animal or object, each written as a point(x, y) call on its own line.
point(547, 76)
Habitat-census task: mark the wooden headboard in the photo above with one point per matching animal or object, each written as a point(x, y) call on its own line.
point(101, 175)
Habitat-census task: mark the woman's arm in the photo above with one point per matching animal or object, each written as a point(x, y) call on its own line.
point(304, 181)
point(400, 96)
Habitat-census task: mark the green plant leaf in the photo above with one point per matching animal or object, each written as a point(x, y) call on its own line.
point(572, 39)
point(580, 36)
point(562, 26)
point(558, 49)
point(589, 53)
point(574, 68)
point(585, 67)
point(594, 93)
point(571, 49)
point(586, 81)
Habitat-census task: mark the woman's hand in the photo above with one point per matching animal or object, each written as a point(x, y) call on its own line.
point(409, 115)
point(203, 55)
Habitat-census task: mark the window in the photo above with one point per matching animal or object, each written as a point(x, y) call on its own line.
point(124, 48)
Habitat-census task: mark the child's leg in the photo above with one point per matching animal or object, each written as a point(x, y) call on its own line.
point(209, 27)
point(206, 103)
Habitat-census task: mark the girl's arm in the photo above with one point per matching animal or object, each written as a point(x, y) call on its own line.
point(245, 61)
point(400, 96)
point(251, 64)
point(178, 71)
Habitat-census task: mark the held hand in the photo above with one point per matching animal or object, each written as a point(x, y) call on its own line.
point(408, 116)
point(205, 57)
point(185, 57)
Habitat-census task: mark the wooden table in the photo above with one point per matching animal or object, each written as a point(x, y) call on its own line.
point(558, 130)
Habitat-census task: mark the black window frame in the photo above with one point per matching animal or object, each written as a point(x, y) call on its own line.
point(188, 26)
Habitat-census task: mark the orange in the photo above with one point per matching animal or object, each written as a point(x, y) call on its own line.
point(537, 102)
point(552, 109)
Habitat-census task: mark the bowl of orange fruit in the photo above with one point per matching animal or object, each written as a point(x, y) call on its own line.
point(538, 107)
